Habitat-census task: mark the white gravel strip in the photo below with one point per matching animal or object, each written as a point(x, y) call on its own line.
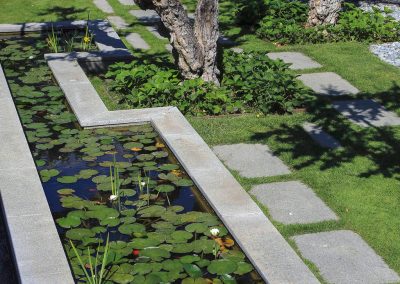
point(388, 52)
point(367, 6)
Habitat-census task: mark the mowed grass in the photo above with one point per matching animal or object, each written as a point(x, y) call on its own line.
point(20, 11)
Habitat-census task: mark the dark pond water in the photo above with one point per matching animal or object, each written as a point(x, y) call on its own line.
point(157, 224)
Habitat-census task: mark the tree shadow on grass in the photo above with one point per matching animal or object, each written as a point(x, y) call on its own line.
point(63, 13)
point(381, 145)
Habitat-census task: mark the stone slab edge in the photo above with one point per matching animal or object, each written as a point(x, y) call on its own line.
point(269, 252)
point(110, 48)
point(35, 245)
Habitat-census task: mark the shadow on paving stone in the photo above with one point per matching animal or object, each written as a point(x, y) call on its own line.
point(381, 145)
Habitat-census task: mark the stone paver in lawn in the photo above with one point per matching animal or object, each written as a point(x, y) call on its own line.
point(328, 83)
point(344, 257)
point(237, 49)
point(104, 6)
point(366, 113)
point(155, 32)
point(168, 47)
point(127, 2)
point(136, 41)
point(297, 60)
point(146, 16)
point(292, 203)
point(118, 22)
point(320, 136)
point(251, 160)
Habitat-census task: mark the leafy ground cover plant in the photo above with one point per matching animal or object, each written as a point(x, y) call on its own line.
point(284, 22)
point(250, 82)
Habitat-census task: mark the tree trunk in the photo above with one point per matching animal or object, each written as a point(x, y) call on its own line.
point(195, 45)
point(323, 12)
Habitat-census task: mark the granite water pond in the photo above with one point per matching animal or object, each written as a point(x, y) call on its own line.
point(125, 210)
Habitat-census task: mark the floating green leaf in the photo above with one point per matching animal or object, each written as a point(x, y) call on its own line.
point(222, 266)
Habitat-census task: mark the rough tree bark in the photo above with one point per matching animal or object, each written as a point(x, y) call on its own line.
point(323, 12)
point(195, 44)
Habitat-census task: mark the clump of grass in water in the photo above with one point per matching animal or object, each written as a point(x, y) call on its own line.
point(115, 181)
point(94, 276)
point(52, 41)
point(88, 38)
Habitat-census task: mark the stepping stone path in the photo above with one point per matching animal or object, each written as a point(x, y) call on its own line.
point(127, 2)
point(146, 16)
point(103, 6)
point(292, 203)
point(343, 257)
point(297, 60)
point(322, 138)
point(251, 160)
point(366, 113)
point(137, 41)
point(328, 83)
point(118, 22)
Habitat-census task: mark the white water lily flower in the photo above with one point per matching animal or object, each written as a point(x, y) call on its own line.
point(143, 183)
point(113, 197)
point(31, 57)
point(214, 232)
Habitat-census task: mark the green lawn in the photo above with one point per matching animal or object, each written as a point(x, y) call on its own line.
point(360, 182)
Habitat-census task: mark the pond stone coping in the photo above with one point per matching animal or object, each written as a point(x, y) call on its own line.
point(103, 6)
point(36, 247)
point(269, 252)
point(292, 202)
point(251, 160)
point(344, 257)
point(366, 113)
point(320, 137)
point(137, 41)
point(297, 60)
point(328, 83)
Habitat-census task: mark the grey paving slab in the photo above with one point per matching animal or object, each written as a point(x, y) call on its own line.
point(127, 2)
point(366, 113)
point(328, 83)
point(343, 257)
point(320, 137)
point(137, 41)
point(297, 60)
point(251, 160)
point(103, 6)
point(292, 202)
point(169, 47)
point(155, 32)
point(105, 37)
point(146, 16)
point(118, 22)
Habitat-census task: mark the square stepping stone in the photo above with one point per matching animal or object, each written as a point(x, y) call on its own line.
point(328, 83)
point(127, 2)
point(292, 203)
point(169, 47)
point(146, 16)
point(118, 22)
point(322, 138)
point(137, 41)
point(251, 160)
point(344, 257)
point(103, 6)
point(155, 32)
point(297, 60)
point(366, 113)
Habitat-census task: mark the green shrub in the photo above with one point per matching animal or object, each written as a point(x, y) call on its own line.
point(251, 82)
point(284, 21)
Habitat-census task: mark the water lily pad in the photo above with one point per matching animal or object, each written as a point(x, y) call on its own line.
point(128, 229)
point(155, 253)
point(65, 191)
point(181, 235)
point(160, 154)
point(122, 278)
point(243, 268)
point(183, 182)
point(67, 179)
point(168, 167)
point(189, 259)
point(145, 157)
point(196, 228)
point(127, 192)
point(140, 243)
point(86, 174)
point(192, 270)
point(48, 174)
point(222, 266)
point(152, 211)
point(142, 268)
point(79, 233)
point(131, 145)
point(69, 222)
point(228, 279)
point(165, 188)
